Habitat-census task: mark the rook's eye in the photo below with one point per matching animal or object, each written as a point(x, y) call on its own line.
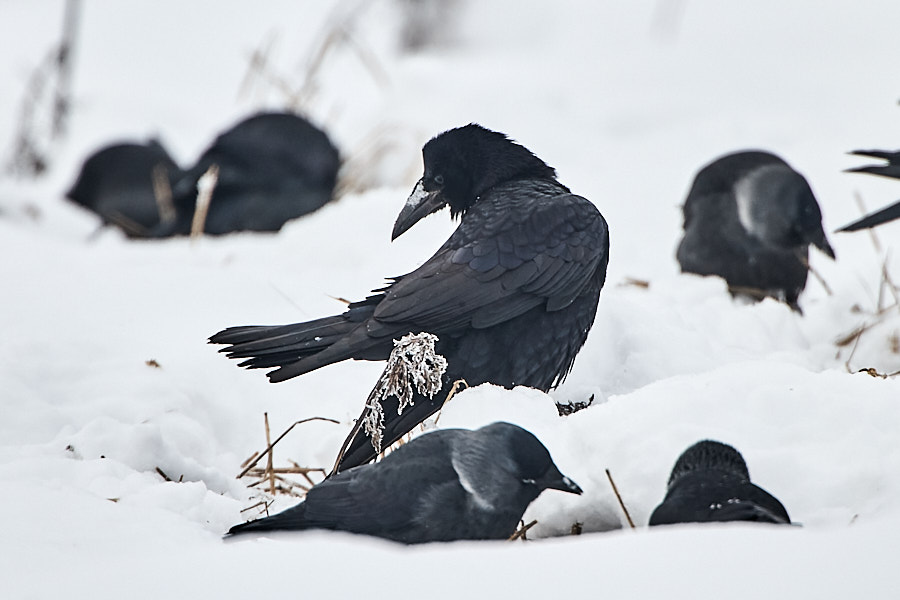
point(439, 179)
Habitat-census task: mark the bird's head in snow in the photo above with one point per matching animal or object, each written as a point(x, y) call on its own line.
point(462, 164)
point(502, 461)
point(776, 206)
point(710, 455)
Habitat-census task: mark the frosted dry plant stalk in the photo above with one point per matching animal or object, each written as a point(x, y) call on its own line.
point(413, 362)
point(206, 185)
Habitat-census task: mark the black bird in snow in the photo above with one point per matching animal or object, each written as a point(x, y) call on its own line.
point(128, 184)
point(452, 484)
point(710, 482)
point(750, 218)
point(272, 167)
point(511, 294)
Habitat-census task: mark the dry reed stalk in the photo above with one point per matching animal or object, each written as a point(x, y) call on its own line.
point(205, 187)
point(256, 457)
point(619, 498)
point(521, 531)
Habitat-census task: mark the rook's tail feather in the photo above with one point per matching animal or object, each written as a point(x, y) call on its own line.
point(283, 345)
point(250, 340)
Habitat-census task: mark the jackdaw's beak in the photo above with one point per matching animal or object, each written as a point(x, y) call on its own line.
point(825, 247)
point(818, 239)
point(420, 203)
point(564, 484)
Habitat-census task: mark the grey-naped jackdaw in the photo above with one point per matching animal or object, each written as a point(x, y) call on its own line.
point(451, 484)
point(750, 218)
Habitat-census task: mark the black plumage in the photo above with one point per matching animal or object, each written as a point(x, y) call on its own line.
point(128, 185)
point(710, 482)
point(892, 170)
point(446, 485)
point(272, 167)
point(511, 294)
point(750, 218)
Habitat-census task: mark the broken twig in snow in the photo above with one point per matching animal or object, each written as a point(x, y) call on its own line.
point(459, 384)
point(863, 210)
point(269, 466)
point(271, 480)
point(262, 503)
point(521, 531)
point(257, 456)
point(816, 275)
point(619, 498)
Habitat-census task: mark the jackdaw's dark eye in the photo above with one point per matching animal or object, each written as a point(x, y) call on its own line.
point(439, 179)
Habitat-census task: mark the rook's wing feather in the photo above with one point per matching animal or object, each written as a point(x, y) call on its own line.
point(495, 268)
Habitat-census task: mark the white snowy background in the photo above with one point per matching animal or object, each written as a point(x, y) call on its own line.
point(627, 100)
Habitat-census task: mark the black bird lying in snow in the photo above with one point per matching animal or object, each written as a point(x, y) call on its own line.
point(710, 482)
point(511, 294)
point(272, 167)
point(128, 185)
point(750, 218)
point(452, 484)
point(892, 170)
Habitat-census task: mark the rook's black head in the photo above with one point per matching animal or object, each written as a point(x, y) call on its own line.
point(460, 165)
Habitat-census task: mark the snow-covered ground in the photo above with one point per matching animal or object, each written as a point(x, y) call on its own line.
point(105, 376)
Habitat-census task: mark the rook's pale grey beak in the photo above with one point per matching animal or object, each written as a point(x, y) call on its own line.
point(420, 203)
